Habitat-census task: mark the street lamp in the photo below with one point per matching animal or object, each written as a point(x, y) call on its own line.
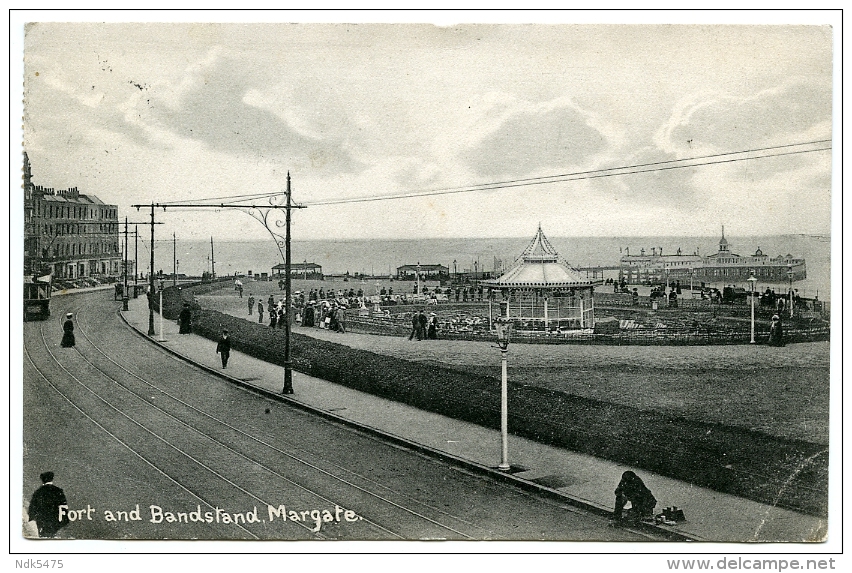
point(790, 276)
point(752, 279)
point(503, 326)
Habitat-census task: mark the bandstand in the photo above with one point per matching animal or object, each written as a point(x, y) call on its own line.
point(541, 293)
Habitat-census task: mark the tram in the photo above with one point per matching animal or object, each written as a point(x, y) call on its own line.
point(37, 297)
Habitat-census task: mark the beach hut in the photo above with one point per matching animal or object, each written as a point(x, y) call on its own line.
point(541, 292)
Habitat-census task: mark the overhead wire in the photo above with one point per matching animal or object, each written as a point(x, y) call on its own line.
point(578, 176)
point(666, 165)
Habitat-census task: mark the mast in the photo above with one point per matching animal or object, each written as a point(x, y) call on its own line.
point(212, 260)
point(288, 372)
point(151, 290)
point(124, 296)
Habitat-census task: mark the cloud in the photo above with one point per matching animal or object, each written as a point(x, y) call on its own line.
point(134, 113)
point(713, 123)
point(511, 137)
point(229, 112)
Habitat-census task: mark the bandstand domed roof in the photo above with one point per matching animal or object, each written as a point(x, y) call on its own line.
point(539, 266)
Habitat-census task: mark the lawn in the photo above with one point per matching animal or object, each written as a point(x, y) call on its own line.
point(780, 391)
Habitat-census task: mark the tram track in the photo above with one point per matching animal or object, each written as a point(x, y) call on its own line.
point(132, 450)
point(287, 453)
point(206, 434)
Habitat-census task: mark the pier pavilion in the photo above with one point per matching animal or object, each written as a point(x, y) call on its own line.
point(541, 292)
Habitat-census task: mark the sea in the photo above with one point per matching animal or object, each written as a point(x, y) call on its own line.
point(381, 257)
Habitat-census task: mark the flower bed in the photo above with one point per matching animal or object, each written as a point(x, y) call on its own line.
point(788, 473)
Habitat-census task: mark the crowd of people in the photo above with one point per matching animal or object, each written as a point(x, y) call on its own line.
point(328, 309)
point(311, 310)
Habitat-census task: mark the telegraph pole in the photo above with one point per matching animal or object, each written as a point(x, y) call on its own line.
point(151, 281)
point(174, 257)
point(288, 370)
point(124, 295)
point(136, 262)
point(261, 213)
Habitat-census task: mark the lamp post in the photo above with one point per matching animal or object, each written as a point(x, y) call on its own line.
point(161, 339)
point(504, 329)
point(790, 276)
point(752, 279)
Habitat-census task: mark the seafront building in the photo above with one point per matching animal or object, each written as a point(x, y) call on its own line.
point(304, 270)
point(722, 266)
point(68, 234)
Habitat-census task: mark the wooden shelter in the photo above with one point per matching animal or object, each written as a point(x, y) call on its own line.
point(541, 292)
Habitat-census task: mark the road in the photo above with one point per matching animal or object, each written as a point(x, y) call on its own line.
point(147, 446)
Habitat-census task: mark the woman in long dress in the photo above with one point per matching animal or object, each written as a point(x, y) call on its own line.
point(776, 332)
point(185, 319)
point(68, 332)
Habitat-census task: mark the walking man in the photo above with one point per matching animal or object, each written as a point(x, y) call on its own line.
point(44, 507)
point(250, 304)
point(422, 322)
point(223, 348)
point(259, 311)
point(341, 319)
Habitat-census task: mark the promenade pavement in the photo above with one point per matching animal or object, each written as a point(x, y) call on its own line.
point(577, 478)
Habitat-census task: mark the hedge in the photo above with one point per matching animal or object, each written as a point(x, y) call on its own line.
point(742, 462)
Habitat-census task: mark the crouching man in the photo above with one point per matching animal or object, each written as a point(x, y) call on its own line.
point(642, 501)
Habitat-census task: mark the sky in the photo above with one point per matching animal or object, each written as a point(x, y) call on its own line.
point(141, 113)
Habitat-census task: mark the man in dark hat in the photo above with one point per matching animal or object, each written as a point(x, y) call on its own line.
point(308, 319)
point(68, 331)
point(415, 326)
point(44, 507)
point(223, 348)
point(422, 323)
